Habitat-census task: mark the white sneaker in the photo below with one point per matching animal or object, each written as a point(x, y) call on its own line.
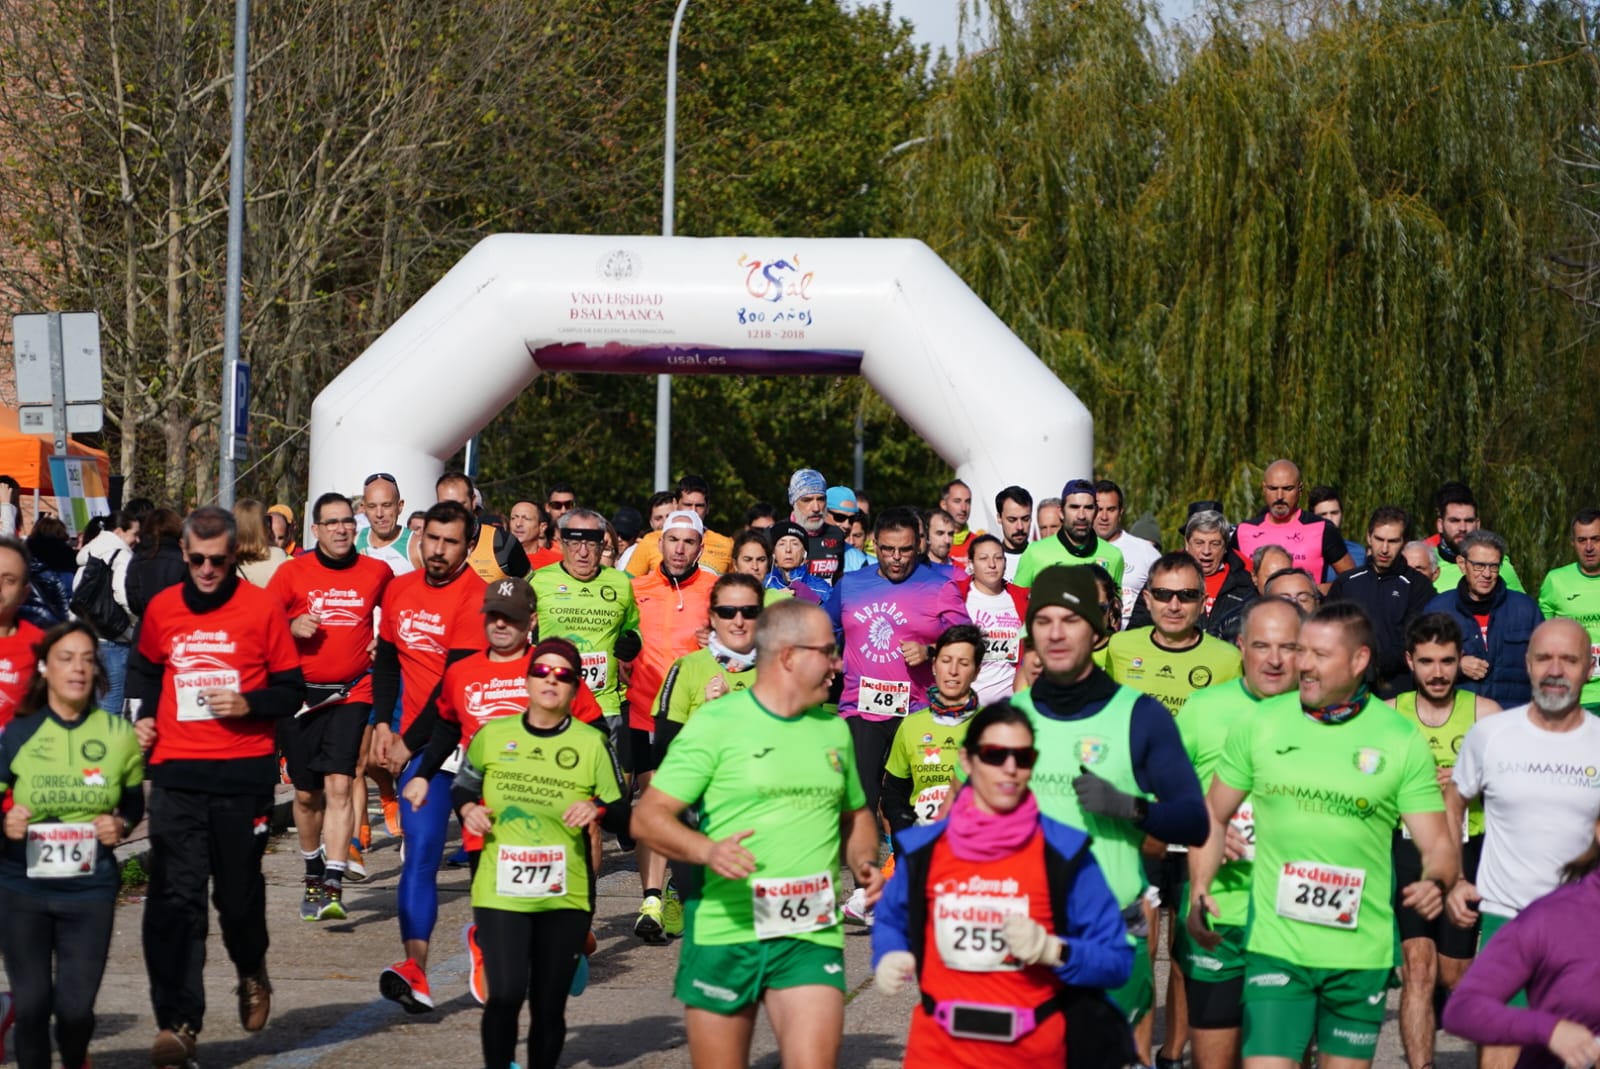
point(856, 910)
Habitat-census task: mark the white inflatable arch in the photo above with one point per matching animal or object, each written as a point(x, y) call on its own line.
point(518, 304)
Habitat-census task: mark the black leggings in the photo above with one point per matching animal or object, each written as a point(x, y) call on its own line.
point(872, 740)
point(74, 930)
point(528, 957)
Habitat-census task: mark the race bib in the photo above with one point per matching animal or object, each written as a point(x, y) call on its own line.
point(929, 801)
point(884, 697)
point(61, 851)
point(530, 871)
point(190, 688)
point(1000, 644)
point(596, 669)
point(1594, 661)
point(1315, 893)
point(793, 905)
point(1243, 821)
point(452, 764)
point(970, 933)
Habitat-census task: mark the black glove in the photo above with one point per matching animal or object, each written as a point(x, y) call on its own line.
point(1097, 795)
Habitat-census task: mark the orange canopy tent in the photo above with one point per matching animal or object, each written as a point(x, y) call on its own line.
point(26, 457)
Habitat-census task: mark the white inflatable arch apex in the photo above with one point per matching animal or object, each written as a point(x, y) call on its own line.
point(520, 304)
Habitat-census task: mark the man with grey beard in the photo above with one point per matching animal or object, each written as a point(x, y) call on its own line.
point(1535, 769)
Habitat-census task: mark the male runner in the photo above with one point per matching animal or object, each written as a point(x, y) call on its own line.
point(773, 774)
point(1137, 554)
point(1390, 590)
point(1495, 620)
point(1435, 953)
point(1573, 591)
point(1047, 518)
point(1455, 517)
point(1534, 768)
point(1329, 771)
point(388, 540)
point(1169, 661)
point(430, 621)
point(693, 495)
point(329, 597)
point(494, 553)
point(1014, 507)
point(1075, 543)
point(214, 669)
point(1110, 759)
point(1269, 642)
point(825, 544)
point(941, 528)
point(956, 501)
point(17, 636)
point(1314, 543)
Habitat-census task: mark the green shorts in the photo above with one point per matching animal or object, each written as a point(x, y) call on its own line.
point(727, 978)
point(1492, 923)
point(1226, 962)
point(1286, 1004)
point(1136, 997)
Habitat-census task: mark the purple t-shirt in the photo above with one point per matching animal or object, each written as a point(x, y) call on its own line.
point(1551, 949)
point(872, 616)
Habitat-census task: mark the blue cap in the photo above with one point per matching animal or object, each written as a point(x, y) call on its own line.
point(842, 499)
point(805, 482)
point(1077, 486)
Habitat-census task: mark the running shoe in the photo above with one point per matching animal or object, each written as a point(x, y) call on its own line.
point(255, 1000)
point(391, 814)
point(355, 866)
point(671, 913)
point(405, 982)
point(459, 860)
point(477, 981)
point(648, 924)
point(856, 910)
point(332, 904)
point(888, 867)
point(363, 837)
point(8, 1017)
point(173, 1048)
point(311, 901)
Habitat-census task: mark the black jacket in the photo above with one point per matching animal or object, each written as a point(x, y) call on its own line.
point(1392, 600)
point(1222, 621)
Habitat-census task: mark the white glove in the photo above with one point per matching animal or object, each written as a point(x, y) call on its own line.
point(895, 971)
point(1030, 942)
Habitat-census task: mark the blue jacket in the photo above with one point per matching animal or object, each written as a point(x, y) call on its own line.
point(1099, 955)
point(815, 589)
point(1512, 618)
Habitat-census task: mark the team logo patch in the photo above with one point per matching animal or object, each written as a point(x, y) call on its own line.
point(93, 750)
point(835, 762)
point(607, 594)
point(1370, 761)
point(567, 757)
point(511, 744)
point(1200, 677)
point(1092, 750)
point(93, 777)
point(1138, 662)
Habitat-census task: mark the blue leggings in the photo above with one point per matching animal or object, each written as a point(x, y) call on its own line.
point(424, 830)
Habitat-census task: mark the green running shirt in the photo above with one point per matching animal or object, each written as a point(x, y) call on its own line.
point(1169, 676)
point(1568, 592)
point(1326, 800)
point(924, 752)
point(1444, 741)
point(1208, 717)
point(591, 616)
point(529, 780)
point(1047, 551)
point(790, 779)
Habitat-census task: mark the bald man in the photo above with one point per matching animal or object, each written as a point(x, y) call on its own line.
point(1540, 796)
point(1313, 543)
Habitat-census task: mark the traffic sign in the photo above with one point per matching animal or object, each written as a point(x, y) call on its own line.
point(81, 419)
point(80, 350)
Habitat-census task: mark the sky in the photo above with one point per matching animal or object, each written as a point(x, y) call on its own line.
point(937, 20)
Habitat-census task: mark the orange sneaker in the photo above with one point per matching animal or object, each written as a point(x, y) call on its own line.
point(888, 867)
point(477, 982)
point(405, 982)
point(391, 814)
point(364, 837)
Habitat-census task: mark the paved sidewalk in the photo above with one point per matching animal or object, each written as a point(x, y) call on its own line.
point(327, 1012)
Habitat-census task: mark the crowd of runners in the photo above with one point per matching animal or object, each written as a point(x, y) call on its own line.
point(1315, 767)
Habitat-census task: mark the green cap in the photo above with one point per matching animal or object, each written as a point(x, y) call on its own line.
point(1069, 586)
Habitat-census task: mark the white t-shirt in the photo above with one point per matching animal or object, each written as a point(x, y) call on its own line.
point(1541, 798)
point(996, 616)
point(1137, 557)
point(1011, 562)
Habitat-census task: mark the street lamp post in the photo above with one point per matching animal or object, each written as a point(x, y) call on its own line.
point(664, 382)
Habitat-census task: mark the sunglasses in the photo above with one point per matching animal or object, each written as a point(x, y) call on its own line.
point(728, 612)
point(1188, 595)
point(375, 476)
point(216, 560)
point(559, 506)
point(558, 672)
point(1025, 756)
point(841, 517)
point(583, 534)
